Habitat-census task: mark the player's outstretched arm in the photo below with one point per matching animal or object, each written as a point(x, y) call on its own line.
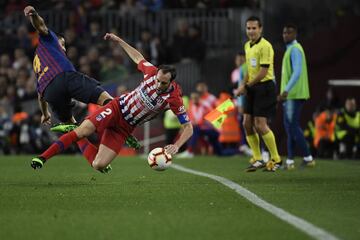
point(35, 19)
point(186, 133)
point(134, 54)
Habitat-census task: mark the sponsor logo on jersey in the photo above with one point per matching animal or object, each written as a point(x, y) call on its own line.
point(99, 118)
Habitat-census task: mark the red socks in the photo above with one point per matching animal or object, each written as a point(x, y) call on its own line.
point(88, 150)
point(63, 143)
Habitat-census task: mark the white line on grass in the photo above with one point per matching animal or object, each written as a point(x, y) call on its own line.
point(295, 221)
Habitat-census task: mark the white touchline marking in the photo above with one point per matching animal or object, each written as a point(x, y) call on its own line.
point(293, 220)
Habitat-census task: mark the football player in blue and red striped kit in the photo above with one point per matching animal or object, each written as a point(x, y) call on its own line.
point(58, 81)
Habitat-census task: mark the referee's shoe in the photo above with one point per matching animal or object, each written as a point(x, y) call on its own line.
point(272, 166)
point(255, 166)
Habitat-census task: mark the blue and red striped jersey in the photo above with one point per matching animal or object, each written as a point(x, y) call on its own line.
point(50, 60)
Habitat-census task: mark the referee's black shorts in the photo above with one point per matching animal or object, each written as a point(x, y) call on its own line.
point(68, 85)
point(260, 100)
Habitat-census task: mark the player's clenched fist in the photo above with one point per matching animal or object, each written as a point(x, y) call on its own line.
point(111, 36)
point(29, 11)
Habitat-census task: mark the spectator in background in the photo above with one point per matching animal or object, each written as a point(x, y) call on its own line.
point(112, 72)
point(309, 134)
point(204, 4)
point(146, 45)
point(5, 128)
point(23, 39)
point(129, 8)
point(20, 60)
point(347, 130)
point(3, 85)
point(230, 129)
point(294, 92)
point(237, 78)
point(196, 49)
point(72, 41)
point(84, 65)
point(93, 61)
point(324, 133)
point(206, 98)
point(331, 101)
point(18, 135)
point(180, 41)
point(201, 128)
point(5, 64)
point(238, 75)
point(151, 5)
point(14, 6)
point(73, 55)
point(95, 35)
point(152, 47)
point(159, 54)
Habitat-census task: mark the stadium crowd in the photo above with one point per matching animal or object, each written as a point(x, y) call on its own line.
point(124, 6)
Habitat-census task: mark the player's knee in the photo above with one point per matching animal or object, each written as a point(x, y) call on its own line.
point(246, 123)
point(85, 129)
point(82, 132)
point(260, 126)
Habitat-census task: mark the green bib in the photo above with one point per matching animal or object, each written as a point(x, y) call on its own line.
point(301, 89)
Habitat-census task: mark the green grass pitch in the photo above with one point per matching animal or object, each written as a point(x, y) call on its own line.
point(68, 200)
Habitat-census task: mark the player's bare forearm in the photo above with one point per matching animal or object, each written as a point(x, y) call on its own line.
point(186, 133)
point(262, 73)
point(134, 54)
point(43, 105)
point(35, 19)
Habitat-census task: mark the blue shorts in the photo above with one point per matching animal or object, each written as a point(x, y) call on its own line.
point(68, 85)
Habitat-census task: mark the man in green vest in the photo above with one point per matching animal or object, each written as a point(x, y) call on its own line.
point(347, 130)
point(294, 92)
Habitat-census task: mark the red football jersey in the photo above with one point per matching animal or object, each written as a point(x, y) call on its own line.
point(145, 103)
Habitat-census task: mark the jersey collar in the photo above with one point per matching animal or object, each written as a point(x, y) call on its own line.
point(257, 41)
point(168, 90)
point(291, 43)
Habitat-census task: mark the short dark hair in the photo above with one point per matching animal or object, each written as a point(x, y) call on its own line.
point(59, 35)
point(254, 18)
point(350, 98)
point(168, 69)
point(291, 25)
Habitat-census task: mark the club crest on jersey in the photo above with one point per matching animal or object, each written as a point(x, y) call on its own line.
point(182, 109)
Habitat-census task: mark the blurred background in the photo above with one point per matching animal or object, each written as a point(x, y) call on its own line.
point(200, 37)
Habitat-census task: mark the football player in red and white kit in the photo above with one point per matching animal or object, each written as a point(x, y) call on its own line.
point(115, 121)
